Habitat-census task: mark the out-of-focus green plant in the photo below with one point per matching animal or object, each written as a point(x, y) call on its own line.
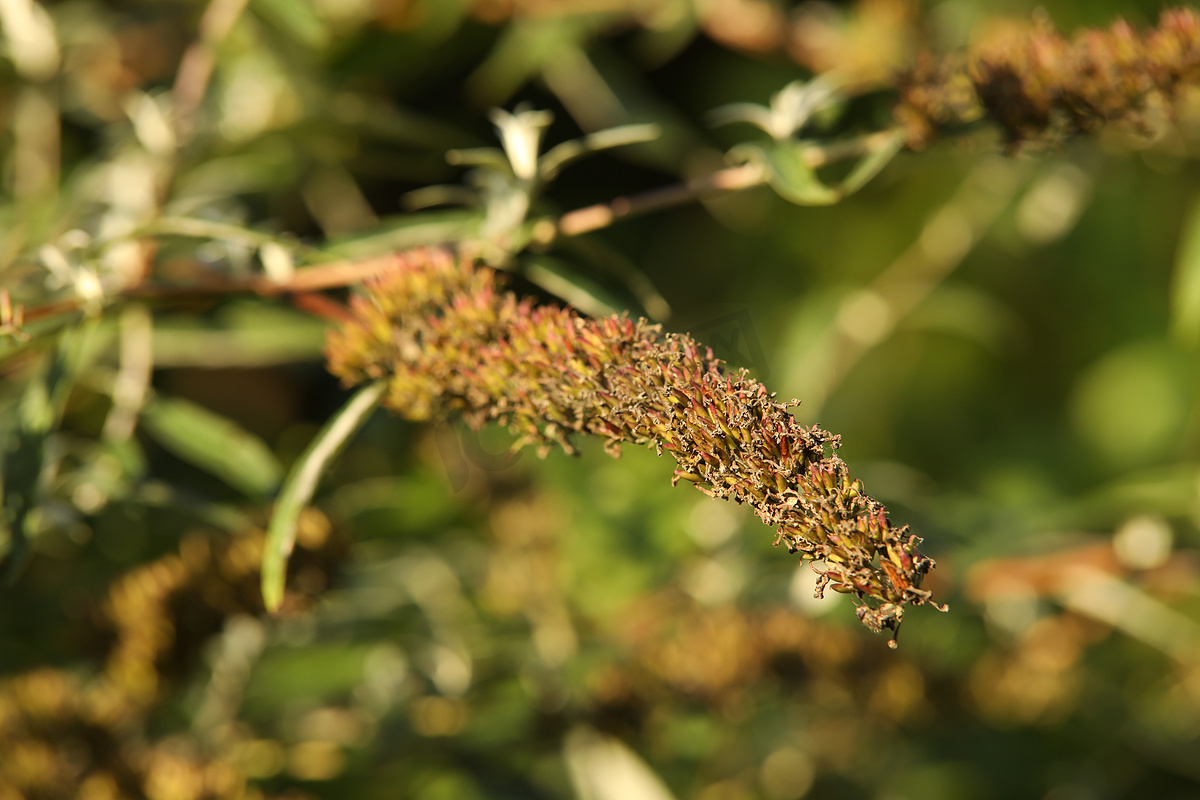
point(789, 163)
point(1038, 86)
point(1007, 345)
point(507, 180)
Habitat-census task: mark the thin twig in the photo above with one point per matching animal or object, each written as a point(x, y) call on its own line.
point(601, 215)
point(305, 281)
point(731, 179)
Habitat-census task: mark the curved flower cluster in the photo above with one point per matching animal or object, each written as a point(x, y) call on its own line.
point(448, 341)
point(1037, 85)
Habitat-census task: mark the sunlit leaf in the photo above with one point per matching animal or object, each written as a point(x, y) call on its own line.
point(407, 231)
point(790, 110)
point(872, 164)
point(603, 768)
point(487, 157)
point(560, 155)
point(1185, 284)
point(302, 481)
point(559, 279)
point(220, 231)
point(751, 113)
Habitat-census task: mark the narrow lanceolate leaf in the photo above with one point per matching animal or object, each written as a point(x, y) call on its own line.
point(213, 443)
point(1185, 285)
point(553, 275)
point(550, 164)
point(300, 484)
point(872, 163)
point(409, 230)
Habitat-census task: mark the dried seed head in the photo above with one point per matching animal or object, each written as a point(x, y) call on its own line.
point(449, 342)
point(1039, 86)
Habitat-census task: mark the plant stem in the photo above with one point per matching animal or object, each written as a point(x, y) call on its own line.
point(583, 220)
point(730, 179)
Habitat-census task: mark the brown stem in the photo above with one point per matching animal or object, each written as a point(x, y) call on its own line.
point(305, 281)
point(731, 179)
point(601, 215)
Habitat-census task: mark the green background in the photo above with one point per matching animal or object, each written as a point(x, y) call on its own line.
point(476, 626)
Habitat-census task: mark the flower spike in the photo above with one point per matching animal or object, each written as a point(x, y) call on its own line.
point(448, 341)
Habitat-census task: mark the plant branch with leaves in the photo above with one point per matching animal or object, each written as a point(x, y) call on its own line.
point(446, 339)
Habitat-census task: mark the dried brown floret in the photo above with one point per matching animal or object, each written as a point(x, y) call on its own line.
point(1039, 86)
point(448, 341)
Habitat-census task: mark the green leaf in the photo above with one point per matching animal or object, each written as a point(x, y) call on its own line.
point(596, 251)
point(522, 49)
point(872, 164)
point(439, 195)
point(157, 494)
point(241, 334)
point(24, 454)
point(213, 443)
point(1185, 283)
point(788, 173)
point(484, 157)
point(297, 19)
point(196, 228)
point(557, 157)
point(556, 277)
point(793, 177)
point(300, 484)
point(790, 110)
point(751, 113)
point(408, 231)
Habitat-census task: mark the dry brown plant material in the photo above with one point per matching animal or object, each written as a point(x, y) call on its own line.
point(1039, 86)
point(448, 341)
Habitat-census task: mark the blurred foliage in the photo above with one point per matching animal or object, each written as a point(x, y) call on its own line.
point(1007, 344)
